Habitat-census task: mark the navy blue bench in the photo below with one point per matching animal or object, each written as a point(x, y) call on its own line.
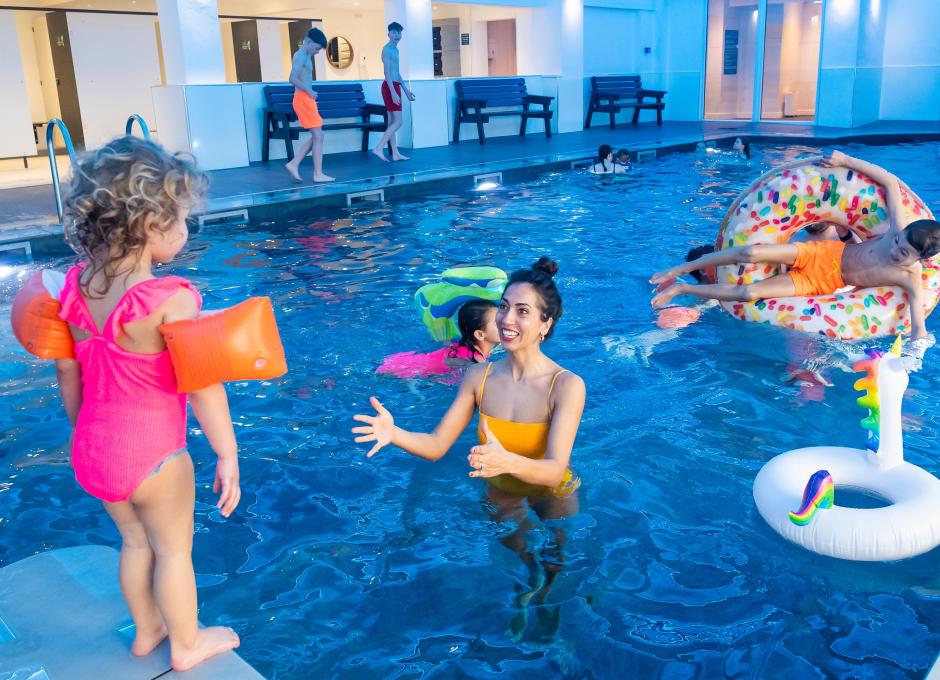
point(334, 100)
point(480, 99)
point(611, 94)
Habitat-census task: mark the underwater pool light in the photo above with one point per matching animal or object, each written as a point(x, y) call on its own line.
point(490, 180)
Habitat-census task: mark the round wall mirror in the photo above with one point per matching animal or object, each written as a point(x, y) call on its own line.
point(339, 52)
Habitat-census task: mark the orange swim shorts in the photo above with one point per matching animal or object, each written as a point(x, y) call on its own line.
point(306, 109)
point(818, 268)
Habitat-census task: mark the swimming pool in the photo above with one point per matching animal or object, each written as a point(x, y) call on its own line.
point(335, 565)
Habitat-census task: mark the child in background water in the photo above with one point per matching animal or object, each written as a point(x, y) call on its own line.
point(125, 211)
point(478, 336)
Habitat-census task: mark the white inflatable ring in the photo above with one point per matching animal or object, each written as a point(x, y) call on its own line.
point(781, 203)
point(909, 526)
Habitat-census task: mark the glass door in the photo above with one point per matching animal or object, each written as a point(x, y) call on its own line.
point(791, 60)
point(731, 49)
point(762, 59)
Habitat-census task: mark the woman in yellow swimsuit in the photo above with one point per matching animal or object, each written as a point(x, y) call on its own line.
point(529, 412)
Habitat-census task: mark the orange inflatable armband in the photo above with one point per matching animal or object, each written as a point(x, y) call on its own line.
point(35, 317)
point(238, 343)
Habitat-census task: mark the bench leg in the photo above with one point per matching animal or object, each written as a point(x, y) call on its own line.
point(613, 114)
point(365, 140)
point(266, 140)
point(479, 116)
point(288, 144)
point(590, 113)
point(548, 126)
point(659, 116)
point(523, 125)
point(457, 125)
point(636, 115)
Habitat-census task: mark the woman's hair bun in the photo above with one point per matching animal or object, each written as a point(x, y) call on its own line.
point(546, 265)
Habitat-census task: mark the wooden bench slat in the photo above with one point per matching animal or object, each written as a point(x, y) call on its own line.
point(611, 94)
point(494, 97)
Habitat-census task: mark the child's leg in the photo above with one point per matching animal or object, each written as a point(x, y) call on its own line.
point(780, 285)
point(136, 576)
point(394, 122)
point(165, 503)
point(783, 253)
point(316, 135)
point(293, 166)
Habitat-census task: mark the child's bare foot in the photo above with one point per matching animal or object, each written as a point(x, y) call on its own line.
point(667, 295)
point(323, 178)
point(381, 154)
point(399, 157)
point(147, 641)
point(209, 642)
point(292, 171)
point(664, 275)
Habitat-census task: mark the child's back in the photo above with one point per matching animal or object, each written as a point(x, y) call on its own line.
point(126, 209)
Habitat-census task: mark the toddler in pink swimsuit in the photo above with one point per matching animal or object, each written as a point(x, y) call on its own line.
point(476, 320)
point(126, 209)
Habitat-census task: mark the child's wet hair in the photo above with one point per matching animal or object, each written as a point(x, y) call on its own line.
point(541, 277)
point(471, 317)
point(120, 191)
point(696, 253)
point(623, 153)
point(924, 237)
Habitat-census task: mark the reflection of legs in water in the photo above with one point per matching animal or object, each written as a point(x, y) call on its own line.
point(509, 508)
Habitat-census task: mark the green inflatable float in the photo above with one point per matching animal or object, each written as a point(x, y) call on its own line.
point(438, 303)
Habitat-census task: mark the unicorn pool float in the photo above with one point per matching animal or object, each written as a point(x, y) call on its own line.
point(807, 513)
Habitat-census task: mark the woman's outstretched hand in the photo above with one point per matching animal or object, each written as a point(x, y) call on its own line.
point(490, 459)
point(379, 428)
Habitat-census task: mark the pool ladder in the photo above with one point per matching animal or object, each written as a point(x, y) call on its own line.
point(55, 124)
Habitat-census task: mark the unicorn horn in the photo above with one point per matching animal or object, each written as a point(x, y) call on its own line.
point(896, 347)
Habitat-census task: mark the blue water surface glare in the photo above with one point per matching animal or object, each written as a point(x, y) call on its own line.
point(339, 566)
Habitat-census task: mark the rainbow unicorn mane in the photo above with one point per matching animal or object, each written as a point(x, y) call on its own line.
point(819, 493)
point(871, 399)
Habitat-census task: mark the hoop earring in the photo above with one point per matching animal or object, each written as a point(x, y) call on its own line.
point(541, 337)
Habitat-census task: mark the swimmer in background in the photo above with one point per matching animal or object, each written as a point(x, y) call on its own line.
point(476, 320)
point(604, 165)
point(622, 162)
point(742, 147)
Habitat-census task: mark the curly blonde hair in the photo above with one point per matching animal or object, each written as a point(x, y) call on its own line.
point(120, 191)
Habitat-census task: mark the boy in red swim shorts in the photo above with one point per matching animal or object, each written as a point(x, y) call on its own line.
point(305, 106)
point(392, 87)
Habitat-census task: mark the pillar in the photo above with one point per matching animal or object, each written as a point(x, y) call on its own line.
point(192, 41)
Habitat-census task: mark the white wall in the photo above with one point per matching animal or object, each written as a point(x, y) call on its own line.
point(116, 64)
point(681, 71)
point(16, 130)
point(24, 31)
point(50, 95)
point(271, 50)
point(614, 40)
point(910, 86)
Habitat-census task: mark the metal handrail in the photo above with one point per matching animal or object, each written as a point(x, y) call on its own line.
point(129, 127)
point(54, 162)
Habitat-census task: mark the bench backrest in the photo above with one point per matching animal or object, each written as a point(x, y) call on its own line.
point(334, 100)
point(625, 86)
point(496, 91)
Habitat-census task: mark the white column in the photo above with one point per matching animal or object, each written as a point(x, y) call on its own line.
point(416, 48)
point(16, 130)
point(192, 41)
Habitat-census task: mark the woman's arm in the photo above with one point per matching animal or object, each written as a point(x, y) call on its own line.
point(381, 428)
point(69, 376)
point(491, 459)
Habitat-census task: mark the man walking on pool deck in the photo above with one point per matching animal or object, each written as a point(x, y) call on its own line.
point(305, 106)
point(392, 87)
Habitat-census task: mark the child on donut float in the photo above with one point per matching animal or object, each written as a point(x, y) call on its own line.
point(824, 266)
point(126, 211)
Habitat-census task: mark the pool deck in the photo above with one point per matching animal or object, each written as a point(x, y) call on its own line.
point(265, 188)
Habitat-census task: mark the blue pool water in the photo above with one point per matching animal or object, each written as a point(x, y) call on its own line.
point(335, 565)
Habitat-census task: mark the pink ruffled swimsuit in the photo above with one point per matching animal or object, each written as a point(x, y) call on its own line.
point(131, 417)
point(415, 364)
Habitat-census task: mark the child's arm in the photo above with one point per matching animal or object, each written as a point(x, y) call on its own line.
point(914, 289)
point(69, 375)
point(878, 174)
point(210, 406)
point(381, 428)
point(491, 459)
